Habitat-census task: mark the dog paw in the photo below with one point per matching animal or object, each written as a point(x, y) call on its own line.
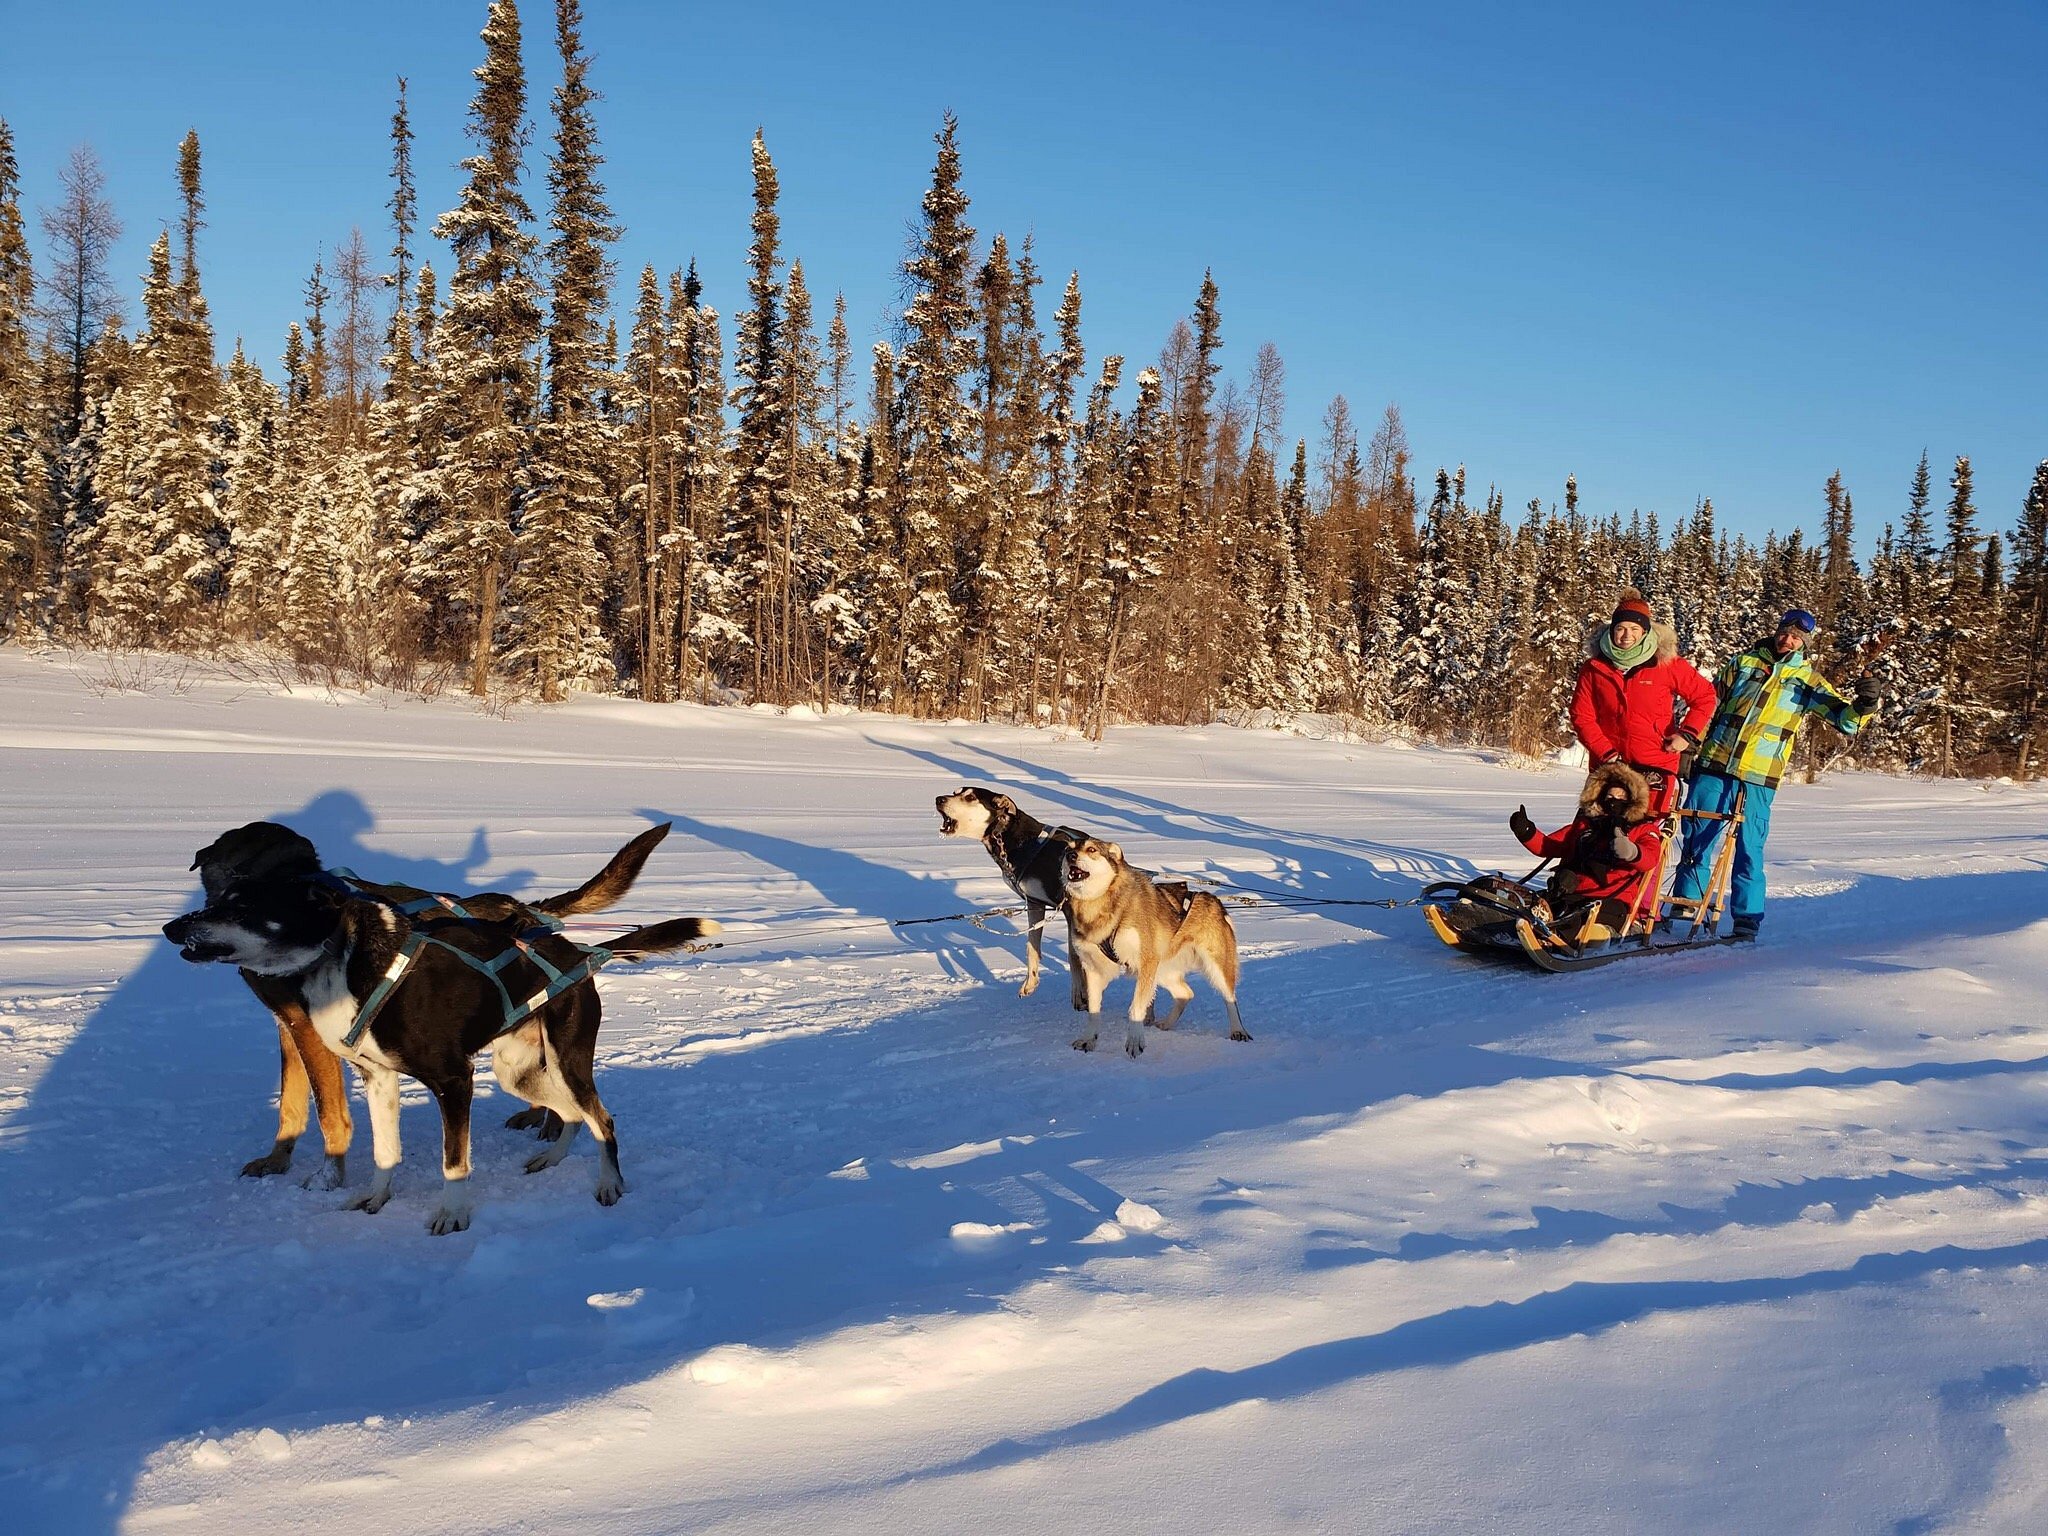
point(1239, 1034)
point(1134, 1046)
point(532, 1119)
point(331, 1174)
point(369, 1202)
point(1085, 1043)
point(449, 1219)
point(539, 1161)
point(609, 1190)
point(1030, 986)
point(264, 1167)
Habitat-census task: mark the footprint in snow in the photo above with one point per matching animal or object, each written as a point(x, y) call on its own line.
point(1617, 1106)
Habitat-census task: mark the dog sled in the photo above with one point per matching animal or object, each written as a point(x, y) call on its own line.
point(1498, 914)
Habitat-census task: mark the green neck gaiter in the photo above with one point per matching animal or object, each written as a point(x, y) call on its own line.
point(1634, 656)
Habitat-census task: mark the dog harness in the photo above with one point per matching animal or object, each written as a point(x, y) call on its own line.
point(430, 911)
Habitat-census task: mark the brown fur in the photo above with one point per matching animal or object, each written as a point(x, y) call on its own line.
point(1605, 777)
point(1156, 934)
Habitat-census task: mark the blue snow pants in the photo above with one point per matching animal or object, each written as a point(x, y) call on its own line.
point(1716, 792)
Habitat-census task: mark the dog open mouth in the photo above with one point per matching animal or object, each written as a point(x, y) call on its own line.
point(947, 825)
point(202, 951)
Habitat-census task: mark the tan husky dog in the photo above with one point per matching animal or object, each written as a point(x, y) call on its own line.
point(1121, 922)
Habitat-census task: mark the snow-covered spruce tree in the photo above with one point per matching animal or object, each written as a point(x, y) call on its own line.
point(986, 516)
point(709, 636)
point(1059, 526)
point(484, 348)
point(2026, 630)
point(24, 517)
point(1957, 630)
point(157, 558)
point(398, 457)
point(938, 432)
point(1914, 720)
point(556, 591)
point(829, 535)
point(1018, 600)
point(1136, 533)
point(760, 506)
point(1303, 662)
point(314, 571)
point(257, 491)
point(1095, 487)
point(812, 555)
point(646, 444)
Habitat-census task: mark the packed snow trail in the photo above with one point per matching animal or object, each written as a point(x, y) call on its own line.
point(1741, 1240)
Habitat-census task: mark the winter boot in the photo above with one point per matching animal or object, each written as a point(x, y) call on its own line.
point(1746, 925)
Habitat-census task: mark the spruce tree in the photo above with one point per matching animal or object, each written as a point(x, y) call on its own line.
point(558, 566)
point(24, 527)
point(938, 431)
point(2026, 630)
point(760, 451)
point(484, 347)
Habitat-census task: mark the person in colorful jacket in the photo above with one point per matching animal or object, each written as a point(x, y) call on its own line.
point(1766, 694)
point(1637, 700)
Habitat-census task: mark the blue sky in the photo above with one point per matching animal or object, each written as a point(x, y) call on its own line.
point(1680, 251)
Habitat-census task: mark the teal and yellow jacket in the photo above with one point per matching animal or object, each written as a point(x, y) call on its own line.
point(1764, 701)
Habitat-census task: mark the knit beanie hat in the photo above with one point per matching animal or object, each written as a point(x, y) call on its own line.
point(1634, 607)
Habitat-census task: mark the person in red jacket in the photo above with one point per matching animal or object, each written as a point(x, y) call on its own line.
point(1638, 701)
point(1604, 856)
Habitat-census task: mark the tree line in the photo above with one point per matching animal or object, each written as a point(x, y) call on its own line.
point(490, 483)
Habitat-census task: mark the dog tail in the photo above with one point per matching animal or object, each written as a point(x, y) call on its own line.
point(661, 938)
point(604, 888)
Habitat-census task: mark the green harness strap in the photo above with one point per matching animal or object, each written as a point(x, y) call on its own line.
point(446, 909)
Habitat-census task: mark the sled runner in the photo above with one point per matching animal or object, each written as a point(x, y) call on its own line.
point(1500, 914)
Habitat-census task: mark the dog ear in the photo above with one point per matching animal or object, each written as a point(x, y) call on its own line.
point(1115, 853)
point(1006, 805)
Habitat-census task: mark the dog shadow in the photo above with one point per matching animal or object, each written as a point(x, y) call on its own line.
point(190, 1048)
point(850, 886)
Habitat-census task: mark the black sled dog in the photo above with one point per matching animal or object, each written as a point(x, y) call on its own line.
point(316, 948)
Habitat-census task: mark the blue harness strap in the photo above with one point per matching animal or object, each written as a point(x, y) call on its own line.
point(444, 910)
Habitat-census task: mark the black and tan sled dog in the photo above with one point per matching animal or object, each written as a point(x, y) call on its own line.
point(1121, 921)
point(1033, 861)
point(314, 948)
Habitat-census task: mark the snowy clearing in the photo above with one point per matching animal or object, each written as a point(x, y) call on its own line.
point(1732, 1241)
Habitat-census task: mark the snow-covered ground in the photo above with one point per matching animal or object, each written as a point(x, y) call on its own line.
point(1733, 1241)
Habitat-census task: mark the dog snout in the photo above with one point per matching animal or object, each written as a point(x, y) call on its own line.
point(179, 929)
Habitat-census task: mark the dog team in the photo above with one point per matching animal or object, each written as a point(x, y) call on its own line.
point(399, 982)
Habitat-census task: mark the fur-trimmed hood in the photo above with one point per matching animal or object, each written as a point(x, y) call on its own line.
point(1667, 641)
point(1603, 778)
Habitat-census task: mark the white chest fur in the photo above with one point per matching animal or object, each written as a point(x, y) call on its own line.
point(332, 1007)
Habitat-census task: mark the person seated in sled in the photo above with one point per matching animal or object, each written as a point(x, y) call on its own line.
point(1604, 856)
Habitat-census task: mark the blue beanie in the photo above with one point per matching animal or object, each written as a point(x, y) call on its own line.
point(1798, 618)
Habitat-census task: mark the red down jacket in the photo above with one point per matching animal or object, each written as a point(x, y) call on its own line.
point(1625, 716)
point(1589, 871)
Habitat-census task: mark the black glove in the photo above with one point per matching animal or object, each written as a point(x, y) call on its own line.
point(1520, 824)
point(1621, 847)
point(1867, 695)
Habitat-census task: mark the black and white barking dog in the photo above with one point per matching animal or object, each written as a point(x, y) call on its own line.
point(313, 948)
point(1033, 861)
